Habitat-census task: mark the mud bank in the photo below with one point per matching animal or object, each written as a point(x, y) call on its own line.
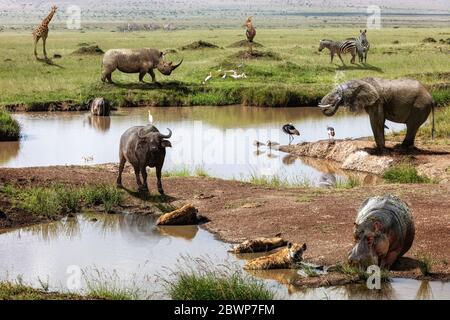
point(300, 214)
point(360, 155)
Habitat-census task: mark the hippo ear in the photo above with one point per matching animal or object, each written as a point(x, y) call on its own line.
point(166, 144)
point(377, 226)
point(304, 247)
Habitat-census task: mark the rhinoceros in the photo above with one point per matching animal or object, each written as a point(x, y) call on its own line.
point(384, 231)
point(140, 61)
point(143, 146)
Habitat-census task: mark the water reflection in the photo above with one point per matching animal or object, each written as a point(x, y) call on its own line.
point(132, 247)
point(101, 124)
point(8, 151)
point(217, 138)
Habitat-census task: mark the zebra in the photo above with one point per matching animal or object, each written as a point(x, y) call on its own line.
point(339, 47)
point(362, 46)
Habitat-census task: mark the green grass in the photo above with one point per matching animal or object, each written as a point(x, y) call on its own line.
point(202, 279)
point(279, 181)
point(19, 291)
point(184, 172)
point(9, 127)
point(404, 173)
point(213, 286)
point(349, 183)
point(58, 199)
point(299, 76)
point(442, 125)
point(425, 264)
point(351, 271)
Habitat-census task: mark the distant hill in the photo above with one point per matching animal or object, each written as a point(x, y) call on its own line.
point(210, 12)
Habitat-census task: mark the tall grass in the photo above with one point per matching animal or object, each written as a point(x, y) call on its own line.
point(279, 181)
point(208, 281)
point(184, 171)
point(404, 173)
point(55, 200)
point(9, 127)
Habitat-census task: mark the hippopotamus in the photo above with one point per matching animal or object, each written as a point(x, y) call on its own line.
point(384, 231)
point(100, 107)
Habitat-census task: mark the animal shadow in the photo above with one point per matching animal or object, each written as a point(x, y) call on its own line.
point(49, 62)
point(363, 66)
point(169, 85)
point(147, 196)
point(397, 150)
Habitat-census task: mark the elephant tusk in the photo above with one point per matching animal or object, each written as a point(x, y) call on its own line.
point(325, 106)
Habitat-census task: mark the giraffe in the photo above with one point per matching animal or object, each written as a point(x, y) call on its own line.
point(250, 33)
point(41, 31)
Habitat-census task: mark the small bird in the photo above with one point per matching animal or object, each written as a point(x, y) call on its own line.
point(150, 117)
point(258, 144)
point(272, 144)
point(331, 133)
point(207, 78)
point(291, 131)
point(238, 76)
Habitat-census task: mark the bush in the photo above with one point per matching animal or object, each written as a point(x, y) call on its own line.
point(9, 127)
point(404, 173)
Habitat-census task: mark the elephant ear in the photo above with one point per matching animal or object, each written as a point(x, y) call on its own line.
point(363, 94)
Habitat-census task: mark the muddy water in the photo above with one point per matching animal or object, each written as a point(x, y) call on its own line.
point(218, 139)
point(130, 251)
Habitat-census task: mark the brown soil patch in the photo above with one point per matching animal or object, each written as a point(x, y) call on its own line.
point(244, 44)
point(256, 54)
point(325, 222)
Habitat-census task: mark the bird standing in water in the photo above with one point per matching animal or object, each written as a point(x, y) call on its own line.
point(290, 130)
point(331, 133)
point(150, 117)
point(272, 144)
point(258, 144)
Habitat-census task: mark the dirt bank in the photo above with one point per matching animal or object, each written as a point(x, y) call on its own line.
point(238, 211)
point(360, 155)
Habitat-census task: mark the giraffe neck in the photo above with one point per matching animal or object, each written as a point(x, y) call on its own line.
point(47, 19)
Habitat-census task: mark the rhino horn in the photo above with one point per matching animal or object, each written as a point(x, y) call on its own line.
point(166, 136)
point(176, 66)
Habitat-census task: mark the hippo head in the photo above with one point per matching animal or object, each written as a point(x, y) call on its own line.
point(295, 251)
point(166, 67)
point(370, 244)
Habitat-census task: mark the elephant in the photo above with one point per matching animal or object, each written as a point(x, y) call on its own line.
point(403, 101)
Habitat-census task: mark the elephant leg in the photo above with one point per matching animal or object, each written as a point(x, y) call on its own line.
point(377, 124)
point(144, 177)
point(411, 130)
point(158, 178)
point(121, 166)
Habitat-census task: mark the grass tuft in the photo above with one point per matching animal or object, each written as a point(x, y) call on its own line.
point(9, 127)
point(404, 173)
point(211, 282)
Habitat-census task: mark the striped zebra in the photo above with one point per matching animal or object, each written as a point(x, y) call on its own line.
point(339, 47)
point(362, 46)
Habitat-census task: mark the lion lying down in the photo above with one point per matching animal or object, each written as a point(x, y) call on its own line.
point(285, 258)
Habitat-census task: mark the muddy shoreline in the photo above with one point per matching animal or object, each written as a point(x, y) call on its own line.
point(360, 155)
point(299, 214)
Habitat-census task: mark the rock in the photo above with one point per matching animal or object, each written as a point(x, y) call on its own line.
point(186, 215)
point(100, 107)
point(259, 245)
